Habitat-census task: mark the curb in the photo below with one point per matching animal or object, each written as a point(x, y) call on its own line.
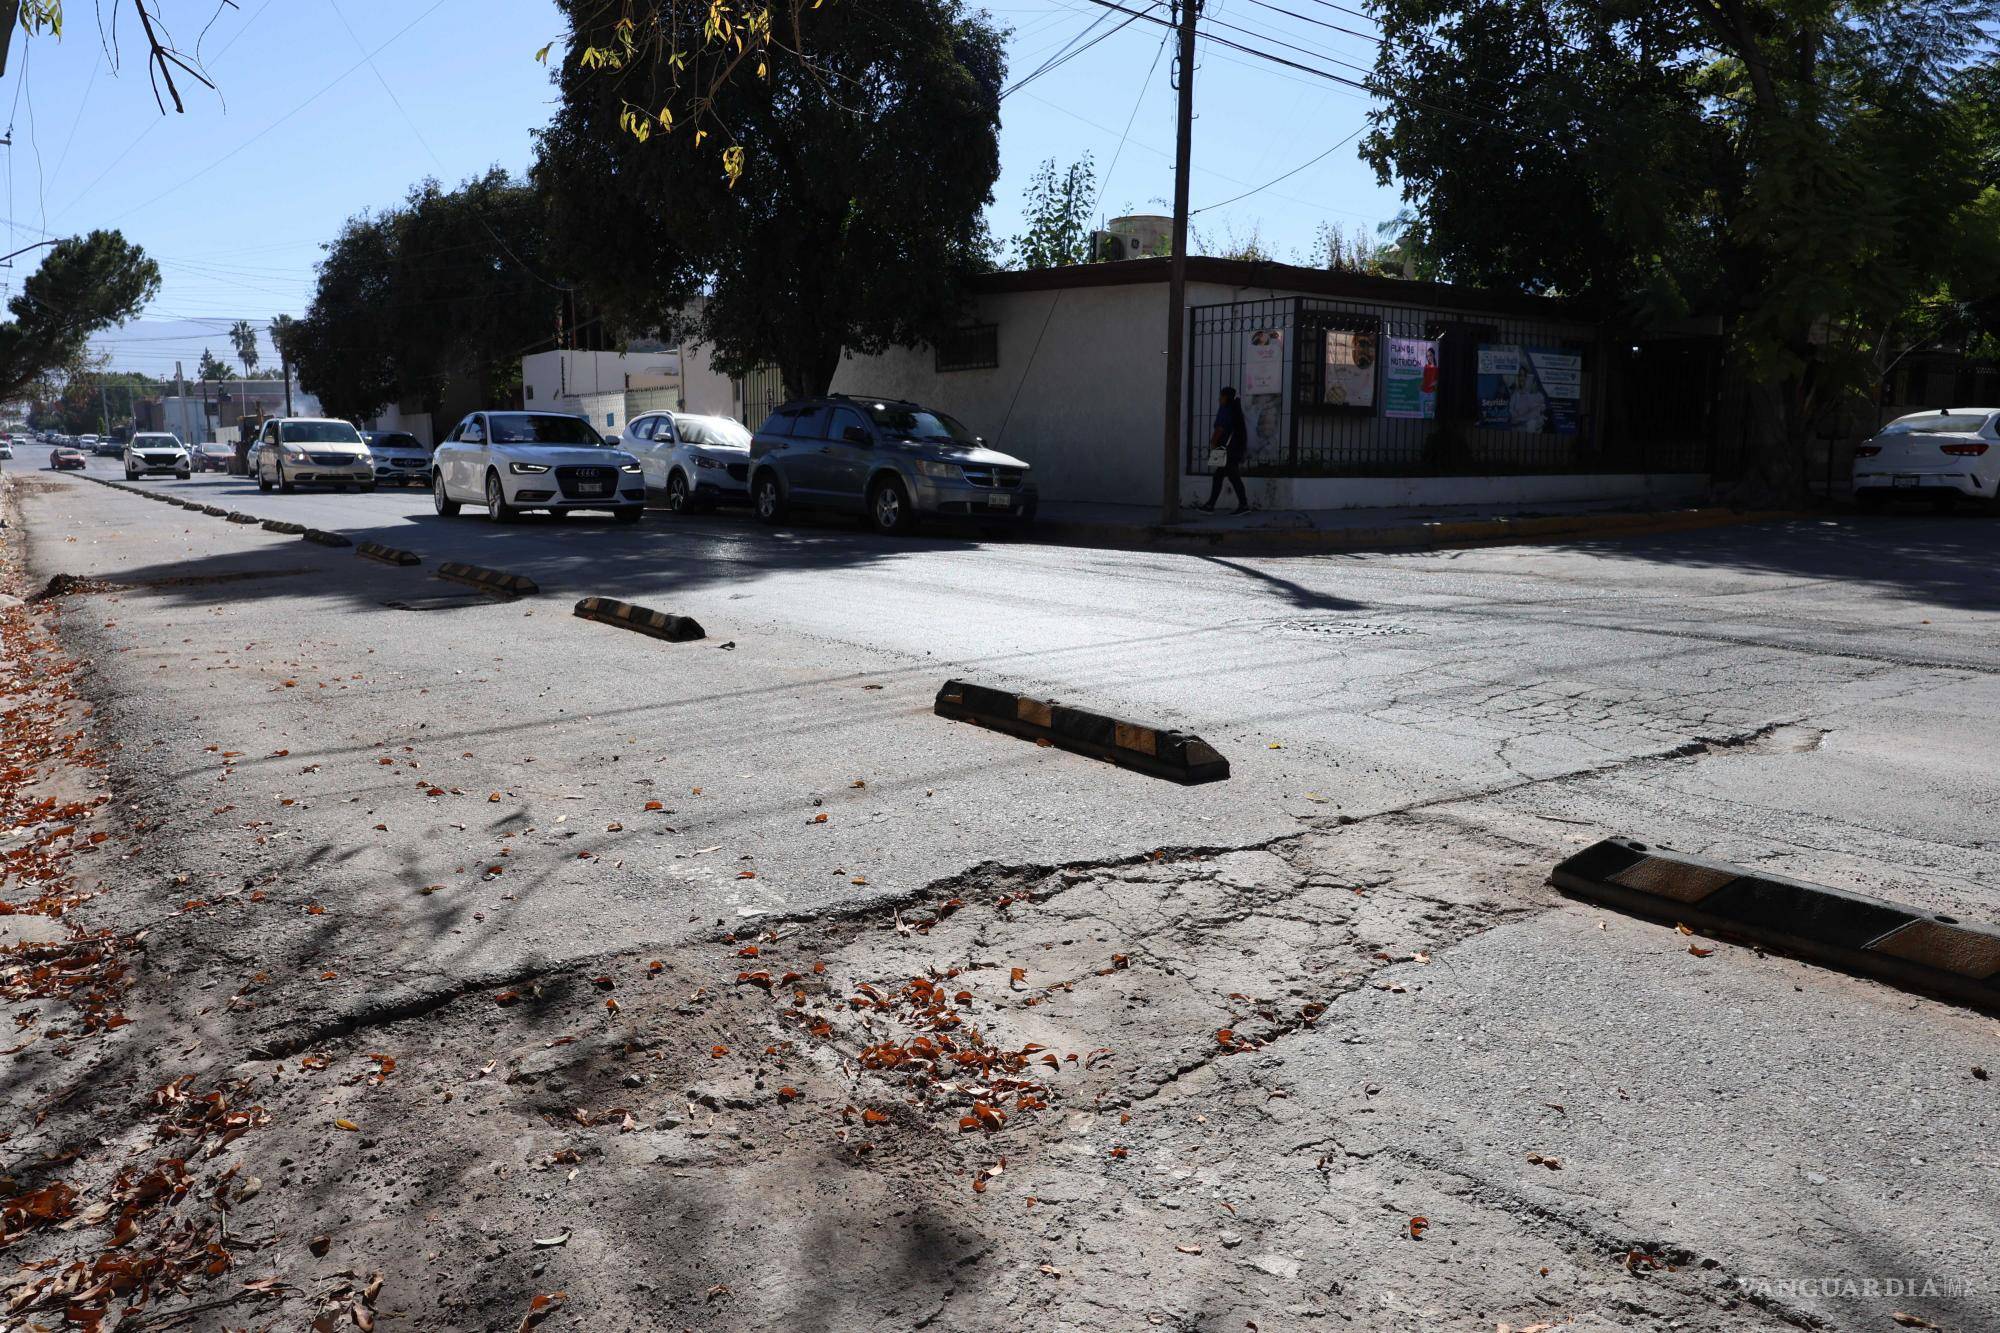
point(659, 624)
point(326, 538)
point(1438, 535)
point(390, 555)
point(286, 526)
point(1874, 936)
point(488, 580)
point(1172, 755)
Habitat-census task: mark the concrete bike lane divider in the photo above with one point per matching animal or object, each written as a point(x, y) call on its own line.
point(659, 624)
point(494, 581)
point(1923, 950)
point(1158, 751)
point(388, 555)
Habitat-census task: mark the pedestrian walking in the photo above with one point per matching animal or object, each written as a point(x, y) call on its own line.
point(1232, 436)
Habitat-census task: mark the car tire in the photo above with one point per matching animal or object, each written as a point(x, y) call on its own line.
point(367, 488)
point(767, 498)
point(444, 504)
point(889, 509)
point(183, 476)
point(286, 487)
point(497, 508)
point(678, 499)
point(263, 482)
point(629, 514)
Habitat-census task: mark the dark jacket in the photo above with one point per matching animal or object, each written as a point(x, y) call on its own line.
point(1234, 429)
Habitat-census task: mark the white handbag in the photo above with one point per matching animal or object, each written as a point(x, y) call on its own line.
point(1218, 459)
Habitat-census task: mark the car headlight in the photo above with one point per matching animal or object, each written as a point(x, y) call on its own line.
point(937, 471)
point(292, 451)
point(699, 461)
point(628, 467)
point(527, 469)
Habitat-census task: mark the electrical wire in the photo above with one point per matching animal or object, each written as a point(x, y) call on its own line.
point(1318, 157)
point(1063, 57)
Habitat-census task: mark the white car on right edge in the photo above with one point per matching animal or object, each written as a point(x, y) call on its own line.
point(1939, 457)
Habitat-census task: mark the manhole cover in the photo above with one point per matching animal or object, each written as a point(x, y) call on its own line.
point(1327, 627)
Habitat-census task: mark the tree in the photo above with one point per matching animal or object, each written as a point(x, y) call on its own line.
point(1786, 165)
point(876, 151)
point(284, 337)
point(45, 17)
point(84, 284)
point(448, 289)
point(213, 370)
point(1058, 210)
point(243, 337)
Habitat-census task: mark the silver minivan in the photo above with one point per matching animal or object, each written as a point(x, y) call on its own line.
point(894, 461)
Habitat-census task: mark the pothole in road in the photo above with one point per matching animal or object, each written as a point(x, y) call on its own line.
point(1330, 627)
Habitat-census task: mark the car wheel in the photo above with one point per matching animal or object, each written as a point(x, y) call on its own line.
point(183, 476)
point(445, 505)
point(767, 498)
point(285, 485)
point(367, 488)
point(889, 507)
point(497, 507)
point(629, 514)
point(263, 482)
point(677, 491)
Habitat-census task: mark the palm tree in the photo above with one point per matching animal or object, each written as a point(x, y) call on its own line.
point(283, 330)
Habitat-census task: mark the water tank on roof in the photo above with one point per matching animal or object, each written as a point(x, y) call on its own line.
point(1135, 237)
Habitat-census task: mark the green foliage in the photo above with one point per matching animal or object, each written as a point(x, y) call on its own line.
point(873, 151)
point(447, 291)
point(84, 284)
point(1058, 207)
point(1788, 165)
point(243, 337)
point(213, 369)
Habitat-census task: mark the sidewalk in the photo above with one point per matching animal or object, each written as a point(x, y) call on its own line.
point(1431, 526)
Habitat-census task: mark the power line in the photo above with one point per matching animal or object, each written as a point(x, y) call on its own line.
point(1104, 187)
point(1287, 176)
point(1066, 55)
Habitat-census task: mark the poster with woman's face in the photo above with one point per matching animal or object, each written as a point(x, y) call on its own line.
point(1350, 369)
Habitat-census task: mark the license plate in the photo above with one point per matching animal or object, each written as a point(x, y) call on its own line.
point(592, 488)
point(999, 502)
point(1904, 481)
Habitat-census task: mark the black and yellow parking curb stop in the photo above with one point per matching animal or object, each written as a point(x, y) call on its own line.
point(659, 624)
point(324, 538)
point(488, 580)
point(1924, 950)
point(215, 511)
point(285, 526)
point(1158, 751)
point(388, 555)
point(235, 516)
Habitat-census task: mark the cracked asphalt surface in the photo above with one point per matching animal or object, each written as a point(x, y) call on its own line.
point(445, 806)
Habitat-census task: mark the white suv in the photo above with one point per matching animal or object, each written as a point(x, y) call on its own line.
point(690, 461)
point(153, 452)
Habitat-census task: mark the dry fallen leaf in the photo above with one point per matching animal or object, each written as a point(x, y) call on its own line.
point(548, 1242)
point(1418, 1226)
point(347, 1125)
point(1698, 951)
point(1188, 1249)
point(1911, 1320)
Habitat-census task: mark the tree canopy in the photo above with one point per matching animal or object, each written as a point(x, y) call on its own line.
point(84, 284)
point(871, 156)
point(1807, 171)
point(451, 288)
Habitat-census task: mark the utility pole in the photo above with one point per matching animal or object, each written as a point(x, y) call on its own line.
point(180, 405)
point(1170, 493)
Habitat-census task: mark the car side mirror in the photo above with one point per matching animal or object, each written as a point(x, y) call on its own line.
point(856, 435)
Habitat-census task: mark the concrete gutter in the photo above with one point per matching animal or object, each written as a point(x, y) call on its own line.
point(1410, 534)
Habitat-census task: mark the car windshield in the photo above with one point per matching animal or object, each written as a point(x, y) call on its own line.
point(527, 428)
point(718, 431)
point(156, 442)
point(1937, 423)
point(318, 432)
point(914, 423)
point(397, 439)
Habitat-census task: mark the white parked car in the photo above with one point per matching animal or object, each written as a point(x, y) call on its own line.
point(691, 461)
point(1934, 456)
point(150, 453)
point(400, 458)
point(311, 451)
point(510, 461)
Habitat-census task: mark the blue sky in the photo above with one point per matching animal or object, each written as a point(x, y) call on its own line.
point(235, 198)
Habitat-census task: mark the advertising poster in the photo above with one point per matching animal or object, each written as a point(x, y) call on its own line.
point(1349, 380)
point(1410, 379)
point(1532, 390)
point(1264, 396)
point(1263, 362)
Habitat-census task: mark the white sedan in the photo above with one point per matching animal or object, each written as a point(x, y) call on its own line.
point(1935, 456)
point(692, 462)
point(510, 461)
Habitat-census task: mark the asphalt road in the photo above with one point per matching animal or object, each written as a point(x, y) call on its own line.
point(1816, 697)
